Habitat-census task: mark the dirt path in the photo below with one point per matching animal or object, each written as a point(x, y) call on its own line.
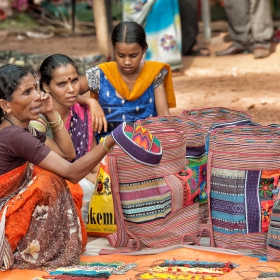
point(239, 82)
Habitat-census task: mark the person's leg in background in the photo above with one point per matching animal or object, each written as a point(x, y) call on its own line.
point(238, 16)
point(262, 27)
point(189, 24)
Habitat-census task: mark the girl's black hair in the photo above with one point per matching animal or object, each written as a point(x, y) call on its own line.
point(129, 32)
point(50, 64)
point(10, 78)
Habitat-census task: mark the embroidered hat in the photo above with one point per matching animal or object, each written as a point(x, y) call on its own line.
point(138, 143)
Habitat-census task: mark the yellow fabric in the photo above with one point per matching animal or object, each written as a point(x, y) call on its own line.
point(101, 203)
point(146, 77)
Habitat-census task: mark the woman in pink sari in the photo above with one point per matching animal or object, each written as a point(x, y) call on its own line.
point(59, 77)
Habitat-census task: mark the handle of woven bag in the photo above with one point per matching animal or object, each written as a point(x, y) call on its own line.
point(162, 119)
point(214, 110)
point(248, 130)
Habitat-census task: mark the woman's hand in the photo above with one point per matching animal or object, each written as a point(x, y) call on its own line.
point(46, 103)
point(97, 115)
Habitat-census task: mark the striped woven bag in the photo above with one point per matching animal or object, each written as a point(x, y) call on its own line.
point(150, 201)
point(214, 117)
point(198, 123)
point(243, 173)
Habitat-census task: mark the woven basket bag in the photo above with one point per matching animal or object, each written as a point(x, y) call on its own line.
point(198, 123)
point(150, 201)
point(242, 174)
point(213, 117)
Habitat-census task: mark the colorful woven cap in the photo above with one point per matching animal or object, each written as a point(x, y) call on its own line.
point(138, 143)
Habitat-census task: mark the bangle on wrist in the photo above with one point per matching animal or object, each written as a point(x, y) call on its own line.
point(61, 125)
point(56, 125)
point(56, 119)
point(104, 145)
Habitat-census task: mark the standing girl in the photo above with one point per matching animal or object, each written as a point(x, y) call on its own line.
point(130, 88)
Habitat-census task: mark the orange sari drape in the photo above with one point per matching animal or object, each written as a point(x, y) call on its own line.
point(146, 77)
point(44, 190)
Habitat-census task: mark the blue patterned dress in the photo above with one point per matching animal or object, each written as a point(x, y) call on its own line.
point(116, 109)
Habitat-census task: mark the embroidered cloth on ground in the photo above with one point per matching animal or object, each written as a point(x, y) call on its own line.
point(94, 269)
point(187, 270)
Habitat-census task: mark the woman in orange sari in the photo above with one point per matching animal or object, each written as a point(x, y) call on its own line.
point(41, 223)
